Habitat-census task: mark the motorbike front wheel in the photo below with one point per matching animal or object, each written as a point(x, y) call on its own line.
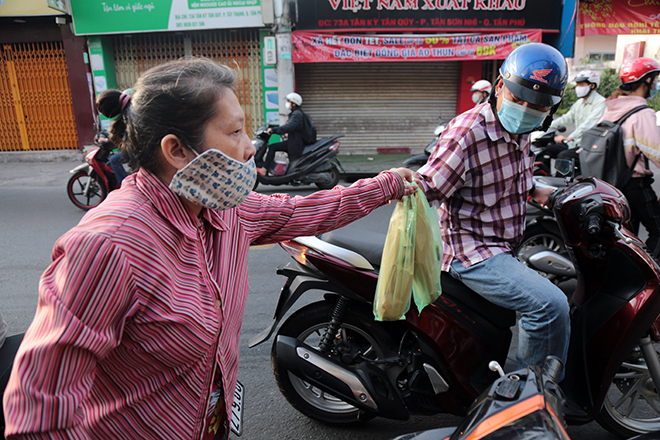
point(632, 404)
point(86, 190)
point(308, 325)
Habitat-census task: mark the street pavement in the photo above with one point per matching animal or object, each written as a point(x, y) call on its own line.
point(36, 211)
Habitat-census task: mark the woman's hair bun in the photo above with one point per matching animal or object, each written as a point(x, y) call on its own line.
point(109, 104)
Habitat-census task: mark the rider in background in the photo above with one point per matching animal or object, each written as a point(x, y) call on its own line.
point(641, 141)
point(480, 91)
point(583, 115)
point(479, 178)
point(294, 128)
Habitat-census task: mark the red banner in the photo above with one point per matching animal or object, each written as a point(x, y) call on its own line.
point(311, 47)
point(615, 17)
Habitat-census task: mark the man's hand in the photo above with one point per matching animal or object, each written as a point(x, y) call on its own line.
point(407, 175)
point(541, 195)
point(559, 139)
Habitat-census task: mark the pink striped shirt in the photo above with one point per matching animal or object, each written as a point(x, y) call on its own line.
point(143, 299)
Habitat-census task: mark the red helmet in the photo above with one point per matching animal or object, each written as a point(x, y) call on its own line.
point(636, 69)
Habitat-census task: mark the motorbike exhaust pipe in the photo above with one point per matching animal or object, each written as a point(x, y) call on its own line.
point(365, 386)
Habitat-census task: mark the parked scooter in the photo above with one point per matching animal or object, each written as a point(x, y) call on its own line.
point(93, 180)
point(318, 163)
point(418, 160)
point(334, 363)
point(523, 405)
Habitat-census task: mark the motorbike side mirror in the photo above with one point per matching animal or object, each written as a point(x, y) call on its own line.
point(561, 167)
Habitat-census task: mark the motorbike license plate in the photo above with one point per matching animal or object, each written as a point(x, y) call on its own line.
point(237, 409)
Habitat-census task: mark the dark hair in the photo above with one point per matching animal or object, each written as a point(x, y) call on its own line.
point(178, 97)
point(632, 86)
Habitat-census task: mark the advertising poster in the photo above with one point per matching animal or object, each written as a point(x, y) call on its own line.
point(128, 16)
point(617, 17)
point(311, 47)
point(430, 15)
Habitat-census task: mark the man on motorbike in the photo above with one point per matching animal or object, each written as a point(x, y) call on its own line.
point(294, 129)
point(479, 177)
point(480, 91)
point(583, 115)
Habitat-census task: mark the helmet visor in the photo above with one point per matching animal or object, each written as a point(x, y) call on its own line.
point(531, 92)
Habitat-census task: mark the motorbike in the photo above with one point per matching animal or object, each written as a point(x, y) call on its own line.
point(91, 181)
point(333, 362)
point(318, 163)
point(523, 405)
point(418, 160)
point(542, 247)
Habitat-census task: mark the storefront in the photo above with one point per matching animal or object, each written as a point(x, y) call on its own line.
point(45, 101)
point(126, 39)
point(382, 71)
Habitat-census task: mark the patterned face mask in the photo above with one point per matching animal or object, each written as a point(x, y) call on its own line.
point(215, 181)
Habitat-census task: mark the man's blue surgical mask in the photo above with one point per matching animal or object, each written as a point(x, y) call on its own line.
point(518, 119)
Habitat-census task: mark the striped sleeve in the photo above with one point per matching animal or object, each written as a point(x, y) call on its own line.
point(78, 320)
point(271, 219)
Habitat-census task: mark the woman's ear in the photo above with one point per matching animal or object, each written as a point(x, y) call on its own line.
point(174, 153)
point(172, 156)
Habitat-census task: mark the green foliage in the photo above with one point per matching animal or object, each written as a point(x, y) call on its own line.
point(567, 101)
point(609, 82)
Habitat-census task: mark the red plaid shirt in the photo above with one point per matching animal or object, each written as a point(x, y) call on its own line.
point(479, 179)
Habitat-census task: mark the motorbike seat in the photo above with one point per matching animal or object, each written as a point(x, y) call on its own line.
point(463, 295)
point(370, 245)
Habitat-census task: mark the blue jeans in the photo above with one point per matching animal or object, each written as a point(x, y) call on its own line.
point(117, 164)
point(544, 326)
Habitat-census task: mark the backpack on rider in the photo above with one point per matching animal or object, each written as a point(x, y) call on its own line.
point(602, 154)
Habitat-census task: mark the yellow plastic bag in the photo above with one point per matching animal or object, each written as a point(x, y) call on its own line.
point(410, 266)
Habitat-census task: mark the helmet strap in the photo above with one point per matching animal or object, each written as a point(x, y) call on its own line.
point(548, 119)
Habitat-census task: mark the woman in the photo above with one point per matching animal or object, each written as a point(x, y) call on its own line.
point(136, 332)
point(641, 142)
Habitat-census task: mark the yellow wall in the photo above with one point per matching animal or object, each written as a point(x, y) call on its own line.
point(25, 8)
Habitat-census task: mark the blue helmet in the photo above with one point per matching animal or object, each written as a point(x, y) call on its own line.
point(536, 73)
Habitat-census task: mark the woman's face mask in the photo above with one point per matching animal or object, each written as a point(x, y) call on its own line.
point(518, 119)
point(582, 91)
point(476, 97)
point(215, 181)
point(288, 105)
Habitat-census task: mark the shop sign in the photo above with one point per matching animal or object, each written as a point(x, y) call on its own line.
point(311, 47)
point(616, 17)
point(333, 15)
point(127, 16)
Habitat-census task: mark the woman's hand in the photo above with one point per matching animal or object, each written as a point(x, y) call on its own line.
point(407, 175)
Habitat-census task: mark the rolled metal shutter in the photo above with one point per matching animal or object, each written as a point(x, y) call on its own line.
point(379, 105)
point(238, 49)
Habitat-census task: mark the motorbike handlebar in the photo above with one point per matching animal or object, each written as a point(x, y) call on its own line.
point(594, 224)
point(552, 198)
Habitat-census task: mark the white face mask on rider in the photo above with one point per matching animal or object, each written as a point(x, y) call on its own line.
point(288, 105)
point(582, 91)
point(215, 181)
